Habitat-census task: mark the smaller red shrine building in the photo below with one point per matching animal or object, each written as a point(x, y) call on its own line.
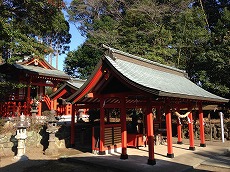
point(58, 98)
point(36, 74)
point(121, 82)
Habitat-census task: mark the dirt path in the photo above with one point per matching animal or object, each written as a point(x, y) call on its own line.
point(39, 162)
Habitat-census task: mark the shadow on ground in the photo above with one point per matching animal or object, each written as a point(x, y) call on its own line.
point(82, 164)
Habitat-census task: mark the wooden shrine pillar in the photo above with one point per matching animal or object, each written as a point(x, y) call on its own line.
point(72, 133)
point(170, 153)
point(124, 154)
point(179, 133)
point(149, 118)
point(28, 97)
point(51, 104)
point(39, 108)
point(201, 121)
point(190, 128)
point(102, 127)
point(54, 101)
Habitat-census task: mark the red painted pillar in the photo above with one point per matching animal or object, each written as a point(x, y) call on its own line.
point(179, 133)
point(102, 127)
point(149, 117)
point(191, 134)
point(51, 104)
point(201, 120)
point(28, 98)
point(54, 101)
point(39, 108)
point(170, 153)
point(72, 136)
point(124, 154)
point(93, 140)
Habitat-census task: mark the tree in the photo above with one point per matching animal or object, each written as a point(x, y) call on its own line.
point(27, 28)
point(81, 63)
point(184, 34)
point(132, 26)
point(212, 68)
point(190, 36)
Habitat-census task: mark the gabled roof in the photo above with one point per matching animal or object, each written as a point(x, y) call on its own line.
point(39, 62)
point(149, 77)
point(73, 84)
point(36, 70)
point(35, 67)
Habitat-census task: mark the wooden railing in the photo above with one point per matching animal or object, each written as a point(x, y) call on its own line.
point(47, 100)
point(12, 109)
point(64, 109)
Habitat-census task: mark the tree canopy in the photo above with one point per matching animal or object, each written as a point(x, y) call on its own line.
point(32, 28)
point(192, 35)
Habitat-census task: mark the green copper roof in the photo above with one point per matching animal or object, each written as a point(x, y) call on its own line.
point(163, 81)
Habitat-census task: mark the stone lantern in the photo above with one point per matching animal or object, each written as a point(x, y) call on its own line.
point(34, 110)
point(52, 128)
point(21, 136)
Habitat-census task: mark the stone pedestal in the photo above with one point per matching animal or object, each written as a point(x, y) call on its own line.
point(21, 151)
point(21, 136)
point(34, 114)
point(52, 148)
point(52, 129)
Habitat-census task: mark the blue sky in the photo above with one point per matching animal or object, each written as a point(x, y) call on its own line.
point(76, 40)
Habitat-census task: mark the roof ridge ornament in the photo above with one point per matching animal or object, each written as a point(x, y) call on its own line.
point(109, 51)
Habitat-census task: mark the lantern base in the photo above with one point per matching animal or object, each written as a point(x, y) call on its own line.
point(51, 152)
point(21, 158)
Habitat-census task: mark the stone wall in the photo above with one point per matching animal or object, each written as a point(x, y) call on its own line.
point(212, 130)
point(36, 137)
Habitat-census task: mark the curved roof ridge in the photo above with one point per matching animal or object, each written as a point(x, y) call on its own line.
point(141, 59)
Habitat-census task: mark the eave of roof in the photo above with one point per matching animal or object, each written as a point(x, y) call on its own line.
point(42, 71)
point(75, 83)
point(88, 85)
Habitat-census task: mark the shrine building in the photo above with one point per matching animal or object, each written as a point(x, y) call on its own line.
point(123, 86)
point(35, 74)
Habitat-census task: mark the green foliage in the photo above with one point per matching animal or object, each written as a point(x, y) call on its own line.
point(81, 63)
point(193, 36)
point(31, 28)
point(212, 66)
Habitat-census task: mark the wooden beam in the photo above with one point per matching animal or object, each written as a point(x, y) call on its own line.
point(90, 85)
point(61, 93)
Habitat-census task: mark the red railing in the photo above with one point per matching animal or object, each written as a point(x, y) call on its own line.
point(47, 100)
point(12, 109)
point(64, 109)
